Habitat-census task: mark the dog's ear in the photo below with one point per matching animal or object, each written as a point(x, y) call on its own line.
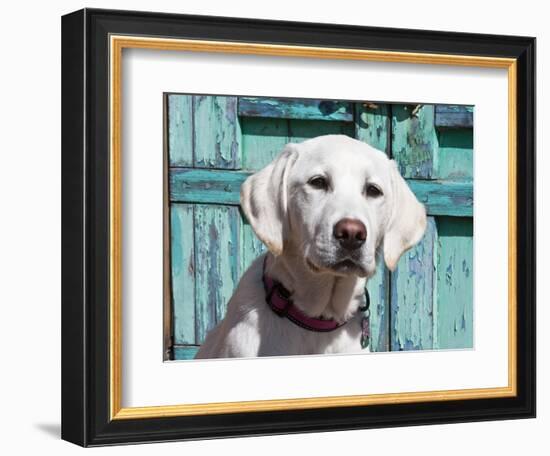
point(264, 199)
point(407, 221)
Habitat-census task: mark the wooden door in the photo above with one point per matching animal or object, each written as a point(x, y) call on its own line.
point(215, 142)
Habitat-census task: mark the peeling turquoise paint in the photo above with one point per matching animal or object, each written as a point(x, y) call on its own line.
point(414, 140)
point(449, 275)
point(465, 269)
point(455, 117)
point(180, 129)
point(300, 130)
point(223, 186)
point(454, 298)
point(182, 352)
point(216, 132)
point(455, 154)
point(182, 277)
point(217, 268)
point(292, 108)
point(214, 143)
point(252, 246)
point(412, 289)
point(372, 125)
point(262, 140)
point(378, 288)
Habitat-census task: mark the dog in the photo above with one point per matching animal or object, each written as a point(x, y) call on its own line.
point(325, 209)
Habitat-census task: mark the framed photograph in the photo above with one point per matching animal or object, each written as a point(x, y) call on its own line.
point(280, 227)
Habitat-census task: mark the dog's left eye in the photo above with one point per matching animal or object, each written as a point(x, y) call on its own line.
point(319, 182)
point(373, 191)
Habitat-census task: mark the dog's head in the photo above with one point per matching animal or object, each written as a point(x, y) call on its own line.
point(334, 201)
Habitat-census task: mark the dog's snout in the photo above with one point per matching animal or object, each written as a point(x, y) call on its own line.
point(350, 233)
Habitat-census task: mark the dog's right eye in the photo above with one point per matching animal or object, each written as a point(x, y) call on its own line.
point(318, 182)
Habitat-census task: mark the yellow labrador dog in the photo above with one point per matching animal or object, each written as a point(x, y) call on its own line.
point(324, 208)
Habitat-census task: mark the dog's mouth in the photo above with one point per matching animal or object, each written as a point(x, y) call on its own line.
point(347, 266)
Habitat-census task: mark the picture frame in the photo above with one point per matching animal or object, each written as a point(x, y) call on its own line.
point(92, 316)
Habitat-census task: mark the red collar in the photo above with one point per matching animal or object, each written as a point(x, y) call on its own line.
point(278, 299)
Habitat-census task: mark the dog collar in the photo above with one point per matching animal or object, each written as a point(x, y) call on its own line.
point(278, 299)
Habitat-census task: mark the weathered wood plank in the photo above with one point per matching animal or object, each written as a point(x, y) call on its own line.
point(216, 132)
point(412, 295)
point(184, 352)
point(372, 125)
point(454, 304)
point(183, 272)
point(262, 140)
point(206, 186)
point(414, 141)
point(445, 197)
point(217, 263)
point(454, 116)
point(180, 130)
point(300, 130)
point(252, 247)
point(223, 187)
point(378, 287)
point(295, 108)
point(456, 154)
point(423, 153)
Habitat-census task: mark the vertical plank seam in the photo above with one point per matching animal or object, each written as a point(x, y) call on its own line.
point(435, 287)
point(389, 306)
point(237, 164)
point(389, 131)
point(435, 157)
point(238, 137)
point(193, 217)
point(195, 323)
point(435, 242)
point(387, 314)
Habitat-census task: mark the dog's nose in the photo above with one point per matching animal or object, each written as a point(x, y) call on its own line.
point(351, 233)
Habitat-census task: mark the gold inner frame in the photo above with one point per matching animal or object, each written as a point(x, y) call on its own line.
point(117, 44)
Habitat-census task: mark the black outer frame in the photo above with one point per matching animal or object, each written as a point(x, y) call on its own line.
point(85, 227)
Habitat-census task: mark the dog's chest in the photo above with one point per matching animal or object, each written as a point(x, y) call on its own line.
point(286, 338)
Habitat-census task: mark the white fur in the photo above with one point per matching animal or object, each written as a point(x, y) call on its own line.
point(295, 220)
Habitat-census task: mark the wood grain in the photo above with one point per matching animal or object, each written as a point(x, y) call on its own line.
point(180, 130)
point(217, 263)
point(451, 116)
point(412, 295)
point(223, 187)
point(455, 273)
point(292, 108)
point(412, 309)
point(414, 141)
point(373, 126)
point(216, 132)
point(183, 272)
